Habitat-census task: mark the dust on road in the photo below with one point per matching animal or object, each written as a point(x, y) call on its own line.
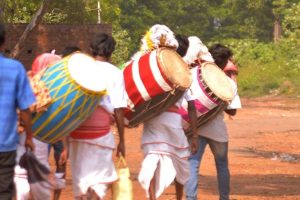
point(264, 154)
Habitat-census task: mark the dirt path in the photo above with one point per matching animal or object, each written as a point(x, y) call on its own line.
point(264, 153)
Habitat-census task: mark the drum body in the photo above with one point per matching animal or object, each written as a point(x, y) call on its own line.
point(73, 96)
point(153, 82)
point(151, 108)
point(212, 90)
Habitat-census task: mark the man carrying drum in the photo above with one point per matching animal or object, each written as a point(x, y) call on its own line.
point(164, 143)
point(214, 133)
point(92, 144)
point(60, 147)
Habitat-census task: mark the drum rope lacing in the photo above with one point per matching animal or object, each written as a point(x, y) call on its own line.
point(66, 73)
point(72, 86)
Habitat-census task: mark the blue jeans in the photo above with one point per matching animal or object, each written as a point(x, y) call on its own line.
point(220, 152)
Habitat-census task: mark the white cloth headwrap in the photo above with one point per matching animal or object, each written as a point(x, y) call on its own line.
point(197, 50)
point(157, 31)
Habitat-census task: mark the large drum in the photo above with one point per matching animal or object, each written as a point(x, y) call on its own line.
point(213, 91)
point(76, 84)
point(154, 82)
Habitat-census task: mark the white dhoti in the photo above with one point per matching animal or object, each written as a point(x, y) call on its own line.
point(21, 182)
point(166, 150)
point(92, 165)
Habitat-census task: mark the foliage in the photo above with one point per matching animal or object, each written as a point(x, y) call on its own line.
point(267, 68)
point(246, 26)
point(18, 11)
point(122, 52)
point(246, 19)
point(291, 22)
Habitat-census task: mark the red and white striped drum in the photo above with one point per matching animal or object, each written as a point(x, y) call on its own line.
point(213, 91)
point(153, 82)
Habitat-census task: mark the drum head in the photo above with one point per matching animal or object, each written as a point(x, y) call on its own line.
point(174, 67)
point(217, 81)
point(87, 72)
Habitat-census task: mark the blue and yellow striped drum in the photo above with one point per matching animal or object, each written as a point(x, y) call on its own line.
point(76, 84)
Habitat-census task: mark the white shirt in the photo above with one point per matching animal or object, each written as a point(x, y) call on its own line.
point(116, 97)
point(216, 128)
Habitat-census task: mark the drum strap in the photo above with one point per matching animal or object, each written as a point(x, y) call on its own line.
point(173, 108)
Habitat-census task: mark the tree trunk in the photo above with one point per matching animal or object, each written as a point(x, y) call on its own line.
point(36, 20)
point(277, 30)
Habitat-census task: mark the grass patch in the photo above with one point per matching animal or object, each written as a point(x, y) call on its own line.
point(266, 69)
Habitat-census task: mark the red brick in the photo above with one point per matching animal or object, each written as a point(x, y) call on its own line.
point(52, 36)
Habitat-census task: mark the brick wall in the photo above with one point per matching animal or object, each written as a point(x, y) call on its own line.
point(51, 36)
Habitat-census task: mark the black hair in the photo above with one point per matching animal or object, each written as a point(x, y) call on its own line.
point(183, 44)
point(69, 50)
point(2, 34)
point(221, 54)
point(103, 45)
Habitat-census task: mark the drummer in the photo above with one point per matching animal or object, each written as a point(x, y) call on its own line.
point(214, 133)
point(92, 144)
point(60, 147)
point(164, 143)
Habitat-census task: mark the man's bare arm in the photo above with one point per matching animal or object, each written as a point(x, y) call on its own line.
point(119, 117)
point(25, 116)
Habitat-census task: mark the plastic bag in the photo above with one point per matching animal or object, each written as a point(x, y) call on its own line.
point(39, 176)
point(122, 189)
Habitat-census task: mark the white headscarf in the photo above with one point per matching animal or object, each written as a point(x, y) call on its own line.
point(197, 50)
point(158, 35)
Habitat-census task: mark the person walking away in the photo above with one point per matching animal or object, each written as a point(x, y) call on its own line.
point(214, 134)
point(164, 143)
point(92, 144)
point(15, 93)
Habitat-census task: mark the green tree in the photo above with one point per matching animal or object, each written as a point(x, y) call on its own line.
point(185, 17)
point(252, 19)
point(291, 22)
point(122, 52)
point(18, 11)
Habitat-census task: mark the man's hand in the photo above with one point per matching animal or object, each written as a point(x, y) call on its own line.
point(194, 143)
point(25, 118)
point(29, 144)
point(65, 153)
point(63, 157)
point(119, 116)
point(121, 149)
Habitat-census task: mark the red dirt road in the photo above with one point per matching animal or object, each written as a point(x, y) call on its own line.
point(264, 155)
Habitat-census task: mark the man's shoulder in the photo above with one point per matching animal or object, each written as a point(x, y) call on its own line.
point(10, 62)
point(112, 69)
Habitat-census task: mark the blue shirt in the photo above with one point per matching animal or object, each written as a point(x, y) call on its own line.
point(15, 93)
